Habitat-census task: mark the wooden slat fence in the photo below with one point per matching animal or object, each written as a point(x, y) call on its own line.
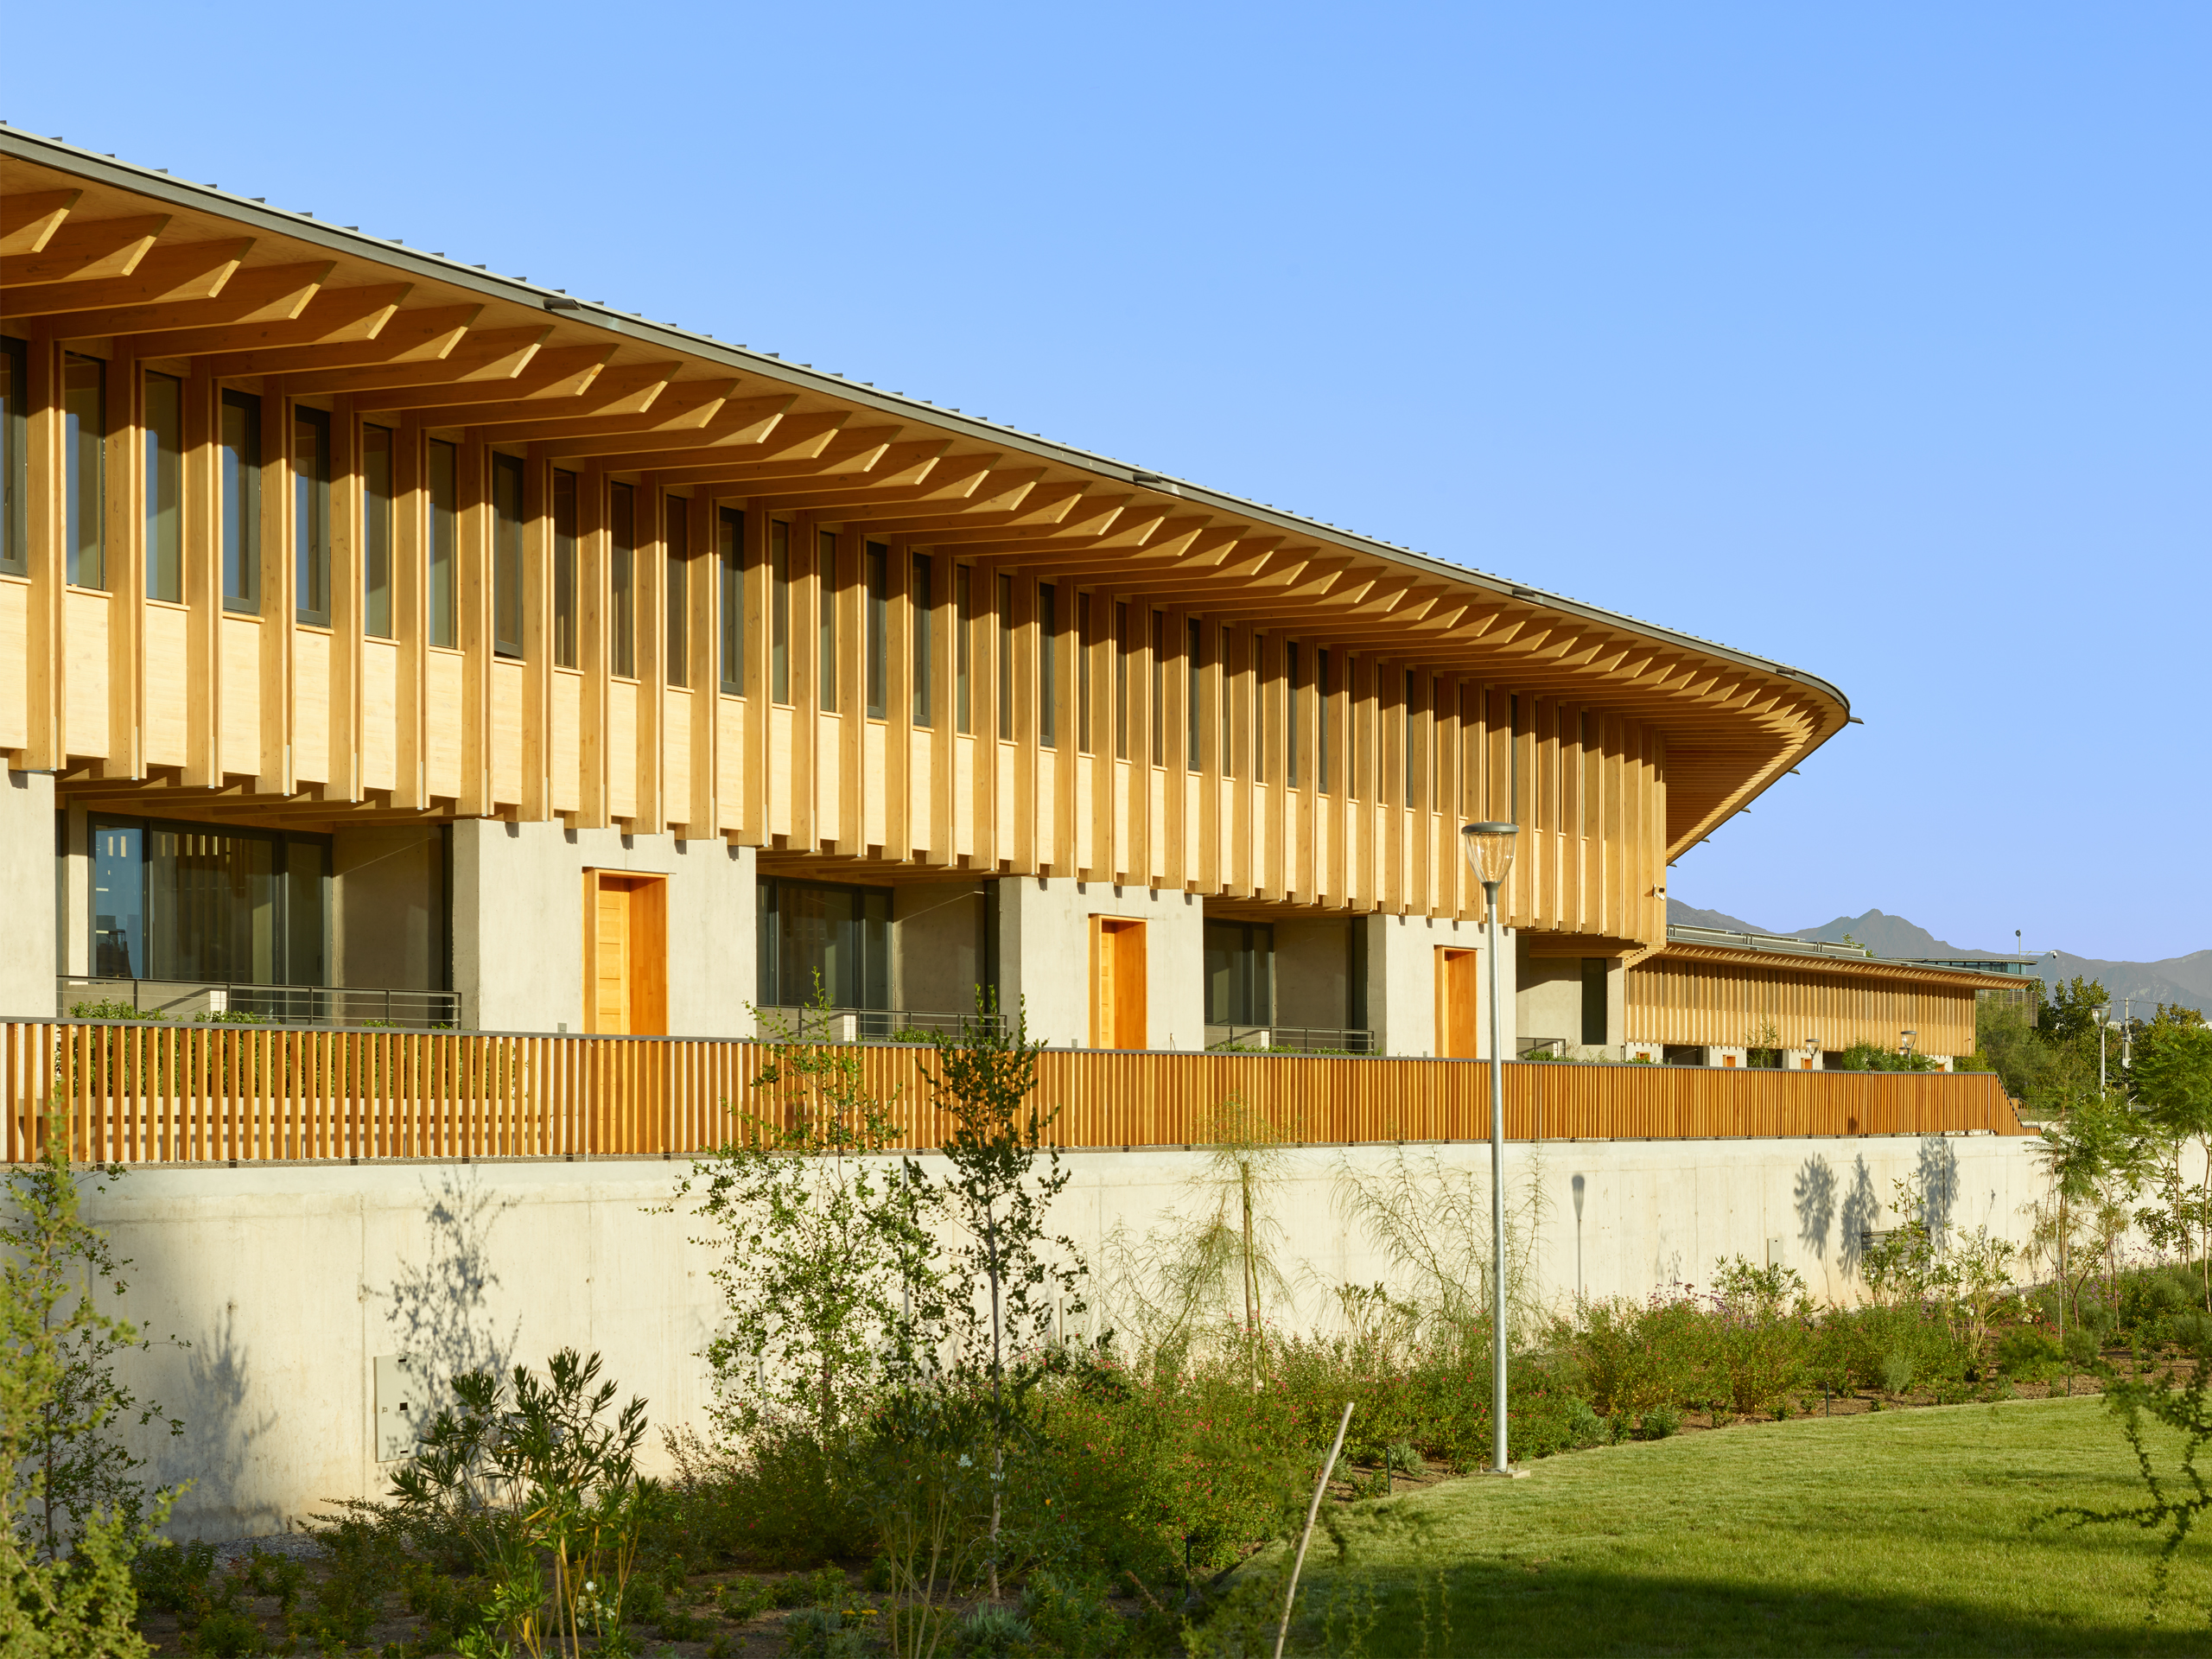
point(151, 1093)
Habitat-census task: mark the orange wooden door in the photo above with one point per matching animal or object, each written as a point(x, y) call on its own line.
point(626, 954)
point(1117, 975)
point(611, 977)
point(1458, 1018)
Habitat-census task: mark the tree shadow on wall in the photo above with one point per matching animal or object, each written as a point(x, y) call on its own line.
point(439, 1308)
point(1815, 1200)
point(221, 1438)
point(1862, 1208)
point(1936, 1175)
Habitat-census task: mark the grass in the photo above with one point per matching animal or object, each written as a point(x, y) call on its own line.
point(1903, 1533)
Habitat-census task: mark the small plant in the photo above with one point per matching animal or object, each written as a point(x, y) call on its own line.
point(1660, 1423)
point(1897, 1373)
point(743, 1599)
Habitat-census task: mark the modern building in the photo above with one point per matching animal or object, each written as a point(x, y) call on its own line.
point(383, 638)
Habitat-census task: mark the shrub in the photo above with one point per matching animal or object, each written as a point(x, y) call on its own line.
point(2027, 1354)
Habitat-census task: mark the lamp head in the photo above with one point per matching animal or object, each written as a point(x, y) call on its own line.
point(1490, 849)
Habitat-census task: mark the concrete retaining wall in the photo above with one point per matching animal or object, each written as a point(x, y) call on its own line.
point(289, 1280)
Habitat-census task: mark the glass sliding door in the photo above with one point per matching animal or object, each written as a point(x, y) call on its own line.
point(209, 903)
point(1239, 973)
point(822, 941)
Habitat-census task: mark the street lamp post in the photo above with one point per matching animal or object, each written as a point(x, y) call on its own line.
point(1489, 850)
point(2103, 1017)
point(1812, 1052)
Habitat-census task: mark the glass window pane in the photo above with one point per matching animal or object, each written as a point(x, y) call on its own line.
point(1194, 684)
point(376, 531)
point(878, 668)
point(1006, 657)
point(14, 458)
point(84, 450)
point(825, 615)
point(118, 900)
point(241, 466)
point(306, 898)
point(677, 513)
point(311, 514)
point(564, 569)
point(963, 622)
point(444, 572)
point(211, 906)
point(622, 581)
point(506, 556)
point(732, 552)
point(165, 487)
point(1048, 661)
point(921, 605)
point(1123, 646)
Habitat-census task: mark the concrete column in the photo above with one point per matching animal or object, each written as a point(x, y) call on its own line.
point(519, 925)
point(1402, 980)
point(1045, 957)
point(28, 875)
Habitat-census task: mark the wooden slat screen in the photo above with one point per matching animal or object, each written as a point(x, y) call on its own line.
point(133, 1093)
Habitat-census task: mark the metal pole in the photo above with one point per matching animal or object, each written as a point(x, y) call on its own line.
point(1499, 1466)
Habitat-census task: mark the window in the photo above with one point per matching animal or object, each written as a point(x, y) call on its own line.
point(84, 450)
point(622, 581)
point(444, 569)
point(311, 515)
point(1414, 726)
point(1513, 757)
point(165, 487)
point(825, 614)
point(676, 522)
point(1294, 713)
point(818, 941)
point(1048, 667)
point(1121, 649)
point(1593, 1000)
point(878, 561)
point(921, 595)
point(1239, 973)
point(779, 611)
point(1193, 683)
point(1006, 657)
point(188, 901)
point(241, 464)
point(1083, 606)
point(1263, 692)
point(1323, 688)
point(376, 531)
point(506, 556)
point(963, 617)
point(564, 569)
point(14, 451)
point(730, 549)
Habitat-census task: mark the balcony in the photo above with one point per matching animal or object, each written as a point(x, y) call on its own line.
point(1290, 1039)
point(818, 1025)
point(200, 1001)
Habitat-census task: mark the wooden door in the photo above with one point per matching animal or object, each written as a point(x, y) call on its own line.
point(1117, 978)
point(626, 954)
point(1459, 1004)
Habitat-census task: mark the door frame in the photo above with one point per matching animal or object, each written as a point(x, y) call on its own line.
point(1446, 953)
point(1118, 929)
point(645, 989)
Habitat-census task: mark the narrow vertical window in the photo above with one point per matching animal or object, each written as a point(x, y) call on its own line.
point(1048, 665)
point(1083, 606)
point(825, 615)
point(1006, 657)
point(921, 602)
point(1294, 713)
point(622, 581)
point(1232, 661)
point(877, 559)
point(1194, 683)
point(1323, 689)
point(1263, 699)
point(14, 458)
point(241, 463)
point(165, 487)
point(1513, 756)
point(676, 545)
point(564, 569)
point(376, 531)
point(444, 565)
point(1123, 646)
point(83, 452)
point(1415, 735)
point(506, 556)
point(730, 549)
point(779, 611)
point(963, 617)
point(1159, 688)
point(311, 516)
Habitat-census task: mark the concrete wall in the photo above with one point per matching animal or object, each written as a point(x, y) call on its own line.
point(288, 1281)
point(27, 877)
point(388, 913)
point(1045, 957)
point(1550, 998)
point(1402, 980)
point(1312, 971)
point(518, 920)
point(937, 953)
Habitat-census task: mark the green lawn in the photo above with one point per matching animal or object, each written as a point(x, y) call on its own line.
point(1905, 1532)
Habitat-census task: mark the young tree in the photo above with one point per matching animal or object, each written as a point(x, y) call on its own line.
point(1004, 1279)
point(827, 1269)
point(2093, 1153)
point(2172, 1077)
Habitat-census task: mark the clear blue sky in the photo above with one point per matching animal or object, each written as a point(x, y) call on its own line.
point(1870, 337)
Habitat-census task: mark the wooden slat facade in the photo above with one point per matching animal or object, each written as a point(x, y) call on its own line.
point(1711, 996)
point(1249, 773)
point(133, 1093)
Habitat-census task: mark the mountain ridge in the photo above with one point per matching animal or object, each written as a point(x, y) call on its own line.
point(2185, 980)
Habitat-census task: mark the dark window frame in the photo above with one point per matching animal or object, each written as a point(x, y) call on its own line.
point(164, 480)
point(84, 534)
point(875, 574)
point(311, 520)
point(240, 465)
point(281, 924)
point(675, 595)
point(15, 456)
point(921, 610)
point(730, 531)
point(442, 547)
point(380, 528)
point(622, 582)
point(563, 516)
point(510, 523)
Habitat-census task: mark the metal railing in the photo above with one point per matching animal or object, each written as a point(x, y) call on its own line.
point(1295, 1040)
point(869, 1025)
point(201, 1001)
